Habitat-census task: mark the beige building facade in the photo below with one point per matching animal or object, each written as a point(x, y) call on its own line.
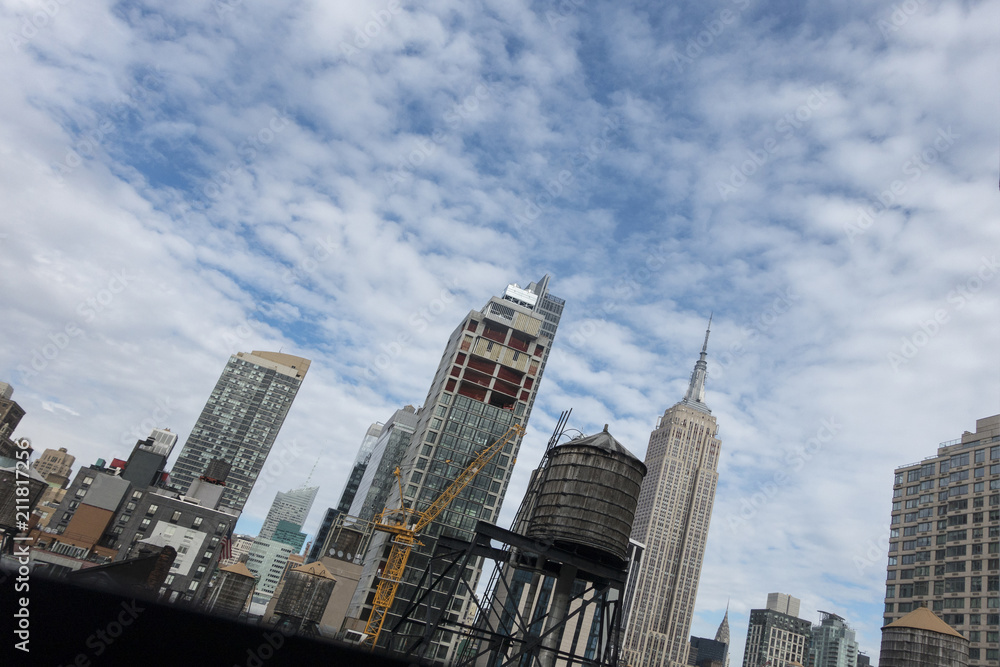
point(944, 539)
point(55, 465)
point(671, 520)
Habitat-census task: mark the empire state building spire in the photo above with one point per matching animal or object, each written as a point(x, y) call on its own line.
point(695, 396)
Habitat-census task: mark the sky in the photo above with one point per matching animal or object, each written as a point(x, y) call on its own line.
point(345, 181)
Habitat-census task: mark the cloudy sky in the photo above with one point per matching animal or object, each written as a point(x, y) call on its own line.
point(344, 181)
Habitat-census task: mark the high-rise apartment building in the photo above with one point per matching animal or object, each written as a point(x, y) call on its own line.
point(240, 421)
point(675, 507)
point(833, 643)
point(776, 637)
point(292, 506)
point(486, 381)
point(944, 539)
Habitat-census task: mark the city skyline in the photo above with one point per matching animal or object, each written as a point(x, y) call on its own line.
point(343, 182)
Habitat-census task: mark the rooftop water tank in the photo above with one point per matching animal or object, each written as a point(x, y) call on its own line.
point(587, 496)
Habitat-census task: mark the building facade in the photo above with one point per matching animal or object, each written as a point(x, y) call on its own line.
point(944, 539)
point(486, 381)
point(387, 454)
point(833, 643)
point(777, 638)
point(240, 421)
point(55, 466)
point(291, 506)
point(672, 519)
point(360, 466)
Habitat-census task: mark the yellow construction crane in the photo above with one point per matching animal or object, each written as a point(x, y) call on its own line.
point(405, 524)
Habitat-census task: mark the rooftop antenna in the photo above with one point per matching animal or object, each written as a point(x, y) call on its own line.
point(309, 478)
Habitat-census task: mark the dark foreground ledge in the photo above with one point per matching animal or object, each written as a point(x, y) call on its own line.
point(72, 625)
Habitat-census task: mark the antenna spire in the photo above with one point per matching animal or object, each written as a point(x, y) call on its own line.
point(309, 478)
point(695, 396)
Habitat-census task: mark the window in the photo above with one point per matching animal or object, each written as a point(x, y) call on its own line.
point(175, 517)
point(88, 480)
point(136, 495)
point(197, 522)
point(151, 510)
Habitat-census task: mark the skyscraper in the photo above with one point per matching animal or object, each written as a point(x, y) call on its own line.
point(833, 643)
point(486, 381)
point(280, 537)
point(360, 465)
point(944, 539)
point(292, 506)
point(675, 507)
point(776, 636)
point(240, 421)
point(386, 456)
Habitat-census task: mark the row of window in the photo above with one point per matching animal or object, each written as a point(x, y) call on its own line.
point(954, 461)
point(957, 566)
point(942, 586)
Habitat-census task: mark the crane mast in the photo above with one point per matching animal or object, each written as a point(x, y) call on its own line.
point(397, 522)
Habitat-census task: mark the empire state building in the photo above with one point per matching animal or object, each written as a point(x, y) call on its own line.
point(671, 520)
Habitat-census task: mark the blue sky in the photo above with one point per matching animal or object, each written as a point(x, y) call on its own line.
point(183, 181)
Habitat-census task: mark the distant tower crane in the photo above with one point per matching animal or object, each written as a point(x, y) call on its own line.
point(405, 524)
